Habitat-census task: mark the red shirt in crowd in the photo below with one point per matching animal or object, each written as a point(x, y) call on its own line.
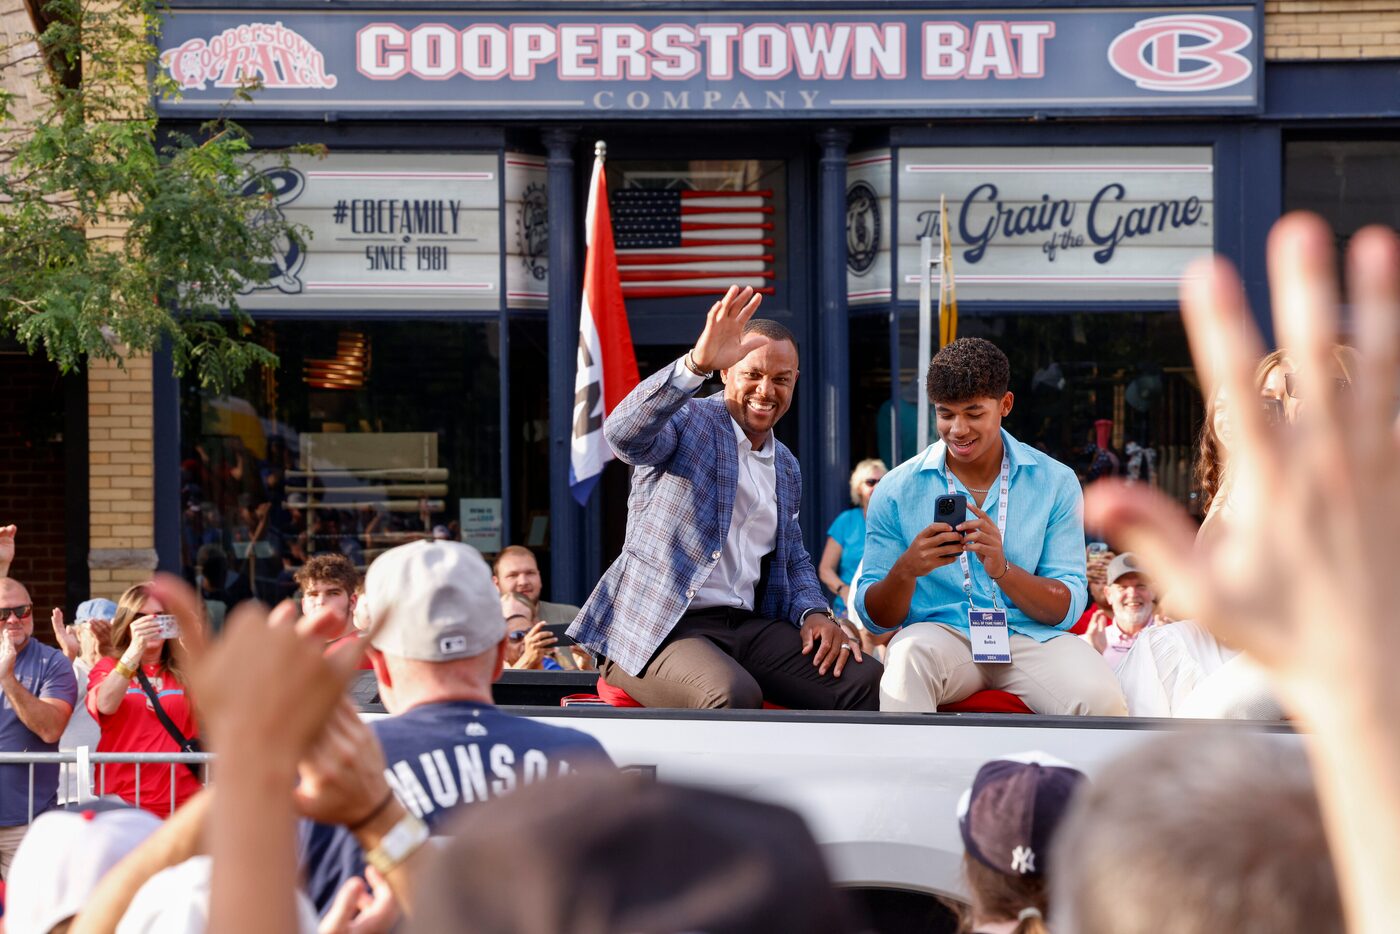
point(334, 643)
point(136, 728)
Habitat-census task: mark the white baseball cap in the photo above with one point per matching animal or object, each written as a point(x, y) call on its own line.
point(433, 601)
point(177, 899)
point(63, 856)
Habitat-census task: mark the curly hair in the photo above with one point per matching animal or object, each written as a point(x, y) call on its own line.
point(329, 569)
point(968, 368)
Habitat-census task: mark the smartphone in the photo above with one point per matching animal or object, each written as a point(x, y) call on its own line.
point(169, 629)
point(951, 509)
point(560, 631)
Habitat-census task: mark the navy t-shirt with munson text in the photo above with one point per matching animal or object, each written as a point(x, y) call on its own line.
point(443, 756)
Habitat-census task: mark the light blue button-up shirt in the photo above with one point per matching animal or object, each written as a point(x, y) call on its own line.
point(1044, 535)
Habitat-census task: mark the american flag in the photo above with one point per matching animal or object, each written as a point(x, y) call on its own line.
point(676, 243)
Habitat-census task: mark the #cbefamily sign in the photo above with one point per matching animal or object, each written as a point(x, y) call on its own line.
point(605, 63)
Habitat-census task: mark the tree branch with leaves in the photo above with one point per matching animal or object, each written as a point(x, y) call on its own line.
point(115, 237)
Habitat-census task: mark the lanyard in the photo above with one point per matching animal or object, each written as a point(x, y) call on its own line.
point(1003, 501)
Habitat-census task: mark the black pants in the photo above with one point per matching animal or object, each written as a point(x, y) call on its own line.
point(722, 657)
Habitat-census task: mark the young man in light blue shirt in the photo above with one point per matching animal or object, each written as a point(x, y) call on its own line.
point(1014, 571)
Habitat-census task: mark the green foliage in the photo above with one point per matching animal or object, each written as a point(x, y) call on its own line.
point(113, 239)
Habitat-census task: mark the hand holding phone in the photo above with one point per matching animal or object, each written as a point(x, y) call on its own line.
point(560, 631)
point(950, 510)
point(939, 544)
point(169, 628)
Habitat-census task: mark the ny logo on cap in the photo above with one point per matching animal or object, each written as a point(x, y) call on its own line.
point(1023, 860)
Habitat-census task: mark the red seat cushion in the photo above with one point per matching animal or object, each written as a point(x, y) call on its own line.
point(617, 697)
point(614, 697)
point(987, 702)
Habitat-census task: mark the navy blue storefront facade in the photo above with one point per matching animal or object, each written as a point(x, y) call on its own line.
point(429, 328)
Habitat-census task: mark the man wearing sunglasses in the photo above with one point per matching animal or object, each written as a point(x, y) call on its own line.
point(39, 691)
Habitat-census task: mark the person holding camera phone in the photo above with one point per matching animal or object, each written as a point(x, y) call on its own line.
point(975, 554)
point(534, 644)
point(141, 704)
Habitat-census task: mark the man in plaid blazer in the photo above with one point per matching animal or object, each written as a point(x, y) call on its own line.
point(714, 601)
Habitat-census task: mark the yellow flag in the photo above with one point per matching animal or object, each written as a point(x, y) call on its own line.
point(947, 289)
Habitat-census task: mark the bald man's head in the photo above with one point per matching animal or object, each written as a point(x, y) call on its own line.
point(14, 600)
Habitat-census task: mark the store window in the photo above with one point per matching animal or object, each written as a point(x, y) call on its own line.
point(869, 369)
point(1351, 183)
point(687, 229)
point(1109, 394)
point(366, 435)
point(529, 446)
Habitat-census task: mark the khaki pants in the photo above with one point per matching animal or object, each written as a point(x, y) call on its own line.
point(720, 657)
point(9, 842)
point(930, 664)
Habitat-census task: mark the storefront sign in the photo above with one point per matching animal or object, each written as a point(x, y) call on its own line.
point(868, 218)
point(527, 231)
point(1092, 224)
point(388, 230)
point(1191, 56)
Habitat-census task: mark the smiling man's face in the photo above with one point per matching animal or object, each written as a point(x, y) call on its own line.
point(16, 629)
point(971, 427)
point(758, 389)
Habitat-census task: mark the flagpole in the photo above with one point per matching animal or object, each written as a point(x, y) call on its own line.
point(607, 364)
point(925, 337)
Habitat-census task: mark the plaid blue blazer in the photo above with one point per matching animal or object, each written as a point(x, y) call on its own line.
point(678, 516)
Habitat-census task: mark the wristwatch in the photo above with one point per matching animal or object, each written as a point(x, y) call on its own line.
point(401, 842)
point(690, 365)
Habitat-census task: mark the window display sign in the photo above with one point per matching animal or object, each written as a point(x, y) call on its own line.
point(1057, 224)
point(1195, 55)
point(482, 524)
point(388, 230)
point(868, 219)
point(527, 231)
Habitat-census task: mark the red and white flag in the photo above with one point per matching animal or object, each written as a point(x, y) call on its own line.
point(677, 243)
point(607, 364)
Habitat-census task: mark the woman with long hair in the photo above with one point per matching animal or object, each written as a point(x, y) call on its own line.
point(123, 695)
point(1181, 670)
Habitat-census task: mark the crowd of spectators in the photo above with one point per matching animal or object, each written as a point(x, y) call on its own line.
point(1184, 834)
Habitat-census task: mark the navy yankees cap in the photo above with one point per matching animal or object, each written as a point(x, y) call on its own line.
point(1010, 814)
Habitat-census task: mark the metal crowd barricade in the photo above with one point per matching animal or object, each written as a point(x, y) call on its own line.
point(76, 768)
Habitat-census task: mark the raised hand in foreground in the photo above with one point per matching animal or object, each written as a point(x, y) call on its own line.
point(1304, 579)
point(265, 693)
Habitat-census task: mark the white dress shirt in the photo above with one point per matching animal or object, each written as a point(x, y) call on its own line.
point(753, 526)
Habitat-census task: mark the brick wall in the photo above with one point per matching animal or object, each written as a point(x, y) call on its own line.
point(1331, 29)
point(120, 491)
point(32, 477)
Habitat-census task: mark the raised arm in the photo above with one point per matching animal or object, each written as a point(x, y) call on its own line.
point(1303, 576)
point(46, 716)
point(177, 840)
point(642, 429)
point(107, 696)
point(7, 548)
